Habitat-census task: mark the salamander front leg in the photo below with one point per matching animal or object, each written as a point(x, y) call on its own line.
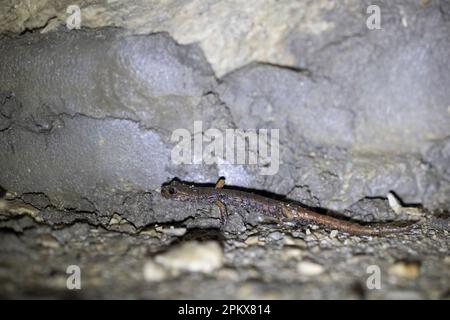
point(223, 211)
point(220, 183)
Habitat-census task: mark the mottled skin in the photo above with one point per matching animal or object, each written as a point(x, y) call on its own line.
point(278, 209)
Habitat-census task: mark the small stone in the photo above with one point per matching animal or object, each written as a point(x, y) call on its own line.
point(123, 227)
point(275, 236)
point(193, 256)
point(18, 208)
point(116, 219)
point(149, 232)
point(320, 236)
point(298, 234)
point(348, 242)
point(309, 269)
point(172, 231)
point(117, 223)
point(407, 270)
point(292, 253)
point(315, 249)
point(227, 274)
point(153, 272)
point(288, 240)
point(308, 232)
point(238, 244)
point(251, 241)
point(310, 237)
point(333, 234)
point(47, 240)
point(301, 243)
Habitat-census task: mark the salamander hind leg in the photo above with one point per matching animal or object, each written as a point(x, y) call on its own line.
point(223, 211)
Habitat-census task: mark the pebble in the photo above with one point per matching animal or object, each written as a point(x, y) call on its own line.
point(309, 269)
point(149, 232)
point(275, 236)
point(290, 241)
point(153, 272)
point(298, 234)
point(407, 270)
point(333, 234)
point(116, 219)
point(124, 227)
point(172, 231)
point(292, 253)
point(228, 274)
point(120, 224)
point(193, 256)
point(253, 240)
point(48, 241)
point(310, 237)
point(17, 208)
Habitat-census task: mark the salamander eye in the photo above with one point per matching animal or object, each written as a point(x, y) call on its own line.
point(172, 190)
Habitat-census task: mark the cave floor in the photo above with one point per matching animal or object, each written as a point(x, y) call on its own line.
point(265, 261)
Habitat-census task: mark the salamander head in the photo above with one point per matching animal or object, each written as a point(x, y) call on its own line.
point(177, 190)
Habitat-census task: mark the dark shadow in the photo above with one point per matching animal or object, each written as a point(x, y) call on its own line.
point(2, 192)
point(200, 234)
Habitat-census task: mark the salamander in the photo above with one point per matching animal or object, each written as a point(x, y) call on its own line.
point(223, 197)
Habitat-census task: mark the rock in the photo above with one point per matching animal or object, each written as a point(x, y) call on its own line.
point(333, 234)
point(275, 236)
point(252, 240)
point(116, 219)
point(150, 231)
point(154, 272)
point(193, 256)
point(120, 224)
point(291, 241)
point(228, 274)
point(407, 270)
point(49, 241)
point(292, 253)
point(309, 269)
point(172, 231)
point(298, 234)
point(14, 207)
